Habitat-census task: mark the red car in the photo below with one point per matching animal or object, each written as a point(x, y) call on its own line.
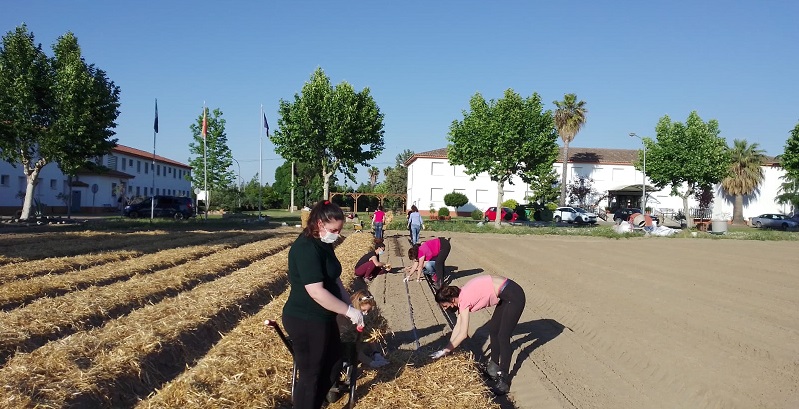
point(508, 215)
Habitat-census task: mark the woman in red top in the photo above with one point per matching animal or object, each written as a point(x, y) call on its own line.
point(434, 249)
point(377, 222)
point(478, 293)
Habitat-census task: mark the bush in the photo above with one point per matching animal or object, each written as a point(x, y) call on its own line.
point(510, 203)
point(443, 211)
point(551, 206)
point(455, 199)
point(477, 214)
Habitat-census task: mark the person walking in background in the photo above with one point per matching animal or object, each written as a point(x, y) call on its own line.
point(377, 222)
point(316, 297)
point(478, 293)
point(370, 266)
point(414, 224)
point(436, 249)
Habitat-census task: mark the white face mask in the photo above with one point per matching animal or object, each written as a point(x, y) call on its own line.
point(328, 237)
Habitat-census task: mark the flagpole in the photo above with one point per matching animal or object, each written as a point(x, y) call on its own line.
point(292, 187)
point(260, 161)
point(152, 188)
point(205, 161)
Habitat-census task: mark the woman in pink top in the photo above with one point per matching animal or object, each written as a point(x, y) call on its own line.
point(478, 293)
point(377, 221)
point(434, 249)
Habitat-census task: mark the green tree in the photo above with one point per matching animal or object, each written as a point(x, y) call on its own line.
point(686, 156)
point(212, 151)
point(330, 126)
point(789, 192)
point(545, 188)
point(395, 181)
point(745, 175)
point(58, 109)
point(512, 136)
point(789, 159)
point(307, 182)
point(374, 172)
point(569, 119)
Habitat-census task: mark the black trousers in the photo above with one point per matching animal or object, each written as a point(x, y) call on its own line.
point(503, 322)
point(317, 353)
point(441, 258)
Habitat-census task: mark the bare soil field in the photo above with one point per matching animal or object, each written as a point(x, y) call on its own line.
point(174, 319)
point(629, 323)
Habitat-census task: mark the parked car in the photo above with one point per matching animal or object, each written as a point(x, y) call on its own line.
point(572, 214)
point(165, 206)
point(624, 214)
point(774, 221)
point(507, 214)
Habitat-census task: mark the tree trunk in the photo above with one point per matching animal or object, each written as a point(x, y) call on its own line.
point(500, 194)
point(738, 210)
point(689, 220)
point(32, 177)
point(563, 173)
point(326, 188)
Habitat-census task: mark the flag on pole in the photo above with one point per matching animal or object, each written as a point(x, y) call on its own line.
point(205, 123)
point(266, 125)
point(155, 124)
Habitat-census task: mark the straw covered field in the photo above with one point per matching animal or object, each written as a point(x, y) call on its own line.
point(174, 319)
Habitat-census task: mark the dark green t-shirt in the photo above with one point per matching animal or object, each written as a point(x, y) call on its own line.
point(311, 261)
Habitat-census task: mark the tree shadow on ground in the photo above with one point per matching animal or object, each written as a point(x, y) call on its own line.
point(536, 333)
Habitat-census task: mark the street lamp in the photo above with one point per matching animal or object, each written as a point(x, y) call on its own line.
point(643, 181)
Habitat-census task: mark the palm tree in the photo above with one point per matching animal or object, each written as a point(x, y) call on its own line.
point(374, 172)
point(746, 175)
point(569, 118)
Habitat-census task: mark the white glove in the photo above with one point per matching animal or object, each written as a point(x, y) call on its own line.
point(355, 316)
point(439, 354)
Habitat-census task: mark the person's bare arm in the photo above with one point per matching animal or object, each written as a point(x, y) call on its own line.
point(327, 299)
point(460, 332)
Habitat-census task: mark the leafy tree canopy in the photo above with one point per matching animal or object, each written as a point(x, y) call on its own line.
point(790, 157)
point(336, 127)
point(212, 151)
point(57, 109)
point(686, 156)
point(512, 136)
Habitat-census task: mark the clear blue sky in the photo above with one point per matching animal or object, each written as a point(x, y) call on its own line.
point(631, 61)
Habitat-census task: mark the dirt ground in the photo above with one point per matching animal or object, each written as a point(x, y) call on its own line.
point(629, 323)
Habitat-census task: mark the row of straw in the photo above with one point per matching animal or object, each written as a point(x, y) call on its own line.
point(77, 262)
point(250, 367)
point(29, 327)
point(22, 291)
point(113, 365)
point(61, 244)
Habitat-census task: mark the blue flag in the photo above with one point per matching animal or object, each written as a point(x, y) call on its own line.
point(155, 124)
point(266, 124)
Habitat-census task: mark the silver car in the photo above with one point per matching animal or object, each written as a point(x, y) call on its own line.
point(774, 221)
point(572, 214)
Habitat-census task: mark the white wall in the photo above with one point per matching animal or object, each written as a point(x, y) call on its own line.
point(429, 179)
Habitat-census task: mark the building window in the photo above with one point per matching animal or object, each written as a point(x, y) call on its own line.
point(618, 174)
point(481, 196)
point(158, 170)
point(437, 169)
point(138, 191)
point(437, 195)
point(146, 168)
point(5, 180)
point(130, 163)
point(138, 166)
point(459, 170)
point(53, 184)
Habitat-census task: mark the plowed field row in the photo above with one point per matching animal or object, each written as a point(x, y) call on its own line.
point(150, 244)
point(41, 246)
point(115, 365)
point(19, 292)
point(29, 327)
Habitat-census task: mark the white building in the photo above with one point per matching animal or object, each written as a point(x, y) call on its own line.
point(131, 173)
point(430, 177)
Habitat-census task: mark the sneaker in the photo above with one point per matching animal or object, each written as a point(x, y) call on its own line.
point(491, 369)
point(501, 387)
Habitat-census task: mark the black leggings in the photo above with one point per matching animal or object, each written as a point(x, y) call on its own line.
point(440, 259)
point(317, 353)
point(503, 322)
